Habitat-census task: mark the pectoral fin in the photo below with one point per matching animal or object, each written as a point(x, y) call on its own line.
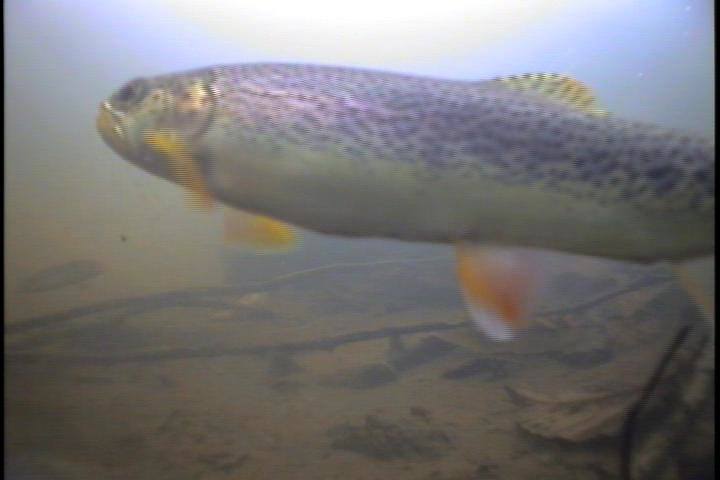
point(258, 232)
point(498, 286)
point(183, 167)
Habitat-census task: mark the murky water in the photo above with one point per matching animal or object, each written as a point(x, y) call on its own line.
point(139, 345)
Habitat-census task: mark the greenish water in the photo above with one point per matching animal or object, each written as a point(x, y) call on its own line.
point(139, 345)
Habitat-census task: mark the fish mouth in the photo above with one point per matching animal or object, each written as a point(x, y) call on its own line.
point(109, 123)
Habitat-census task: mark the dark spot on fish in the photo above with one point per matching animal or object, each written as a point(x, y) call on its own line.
point(666, 185)
point(631, 175)
point(299, 128)
point(601, 152)
point(353, 151)
point(702, 176)
point(131, 92)
point(664, 177)
point(560, 176)
point(586, 175)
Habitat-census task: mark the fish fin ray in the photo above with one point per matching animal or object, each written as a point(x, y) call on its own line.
point(498, 286)
point(259, 232)
point(182, 165)
point(557, 87)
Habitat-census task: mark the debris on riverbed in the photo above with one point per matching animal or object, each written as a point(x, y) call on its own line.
point(381, 439)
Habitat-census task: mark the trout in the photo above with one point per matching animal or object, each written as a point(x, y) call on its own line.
point(499, 168)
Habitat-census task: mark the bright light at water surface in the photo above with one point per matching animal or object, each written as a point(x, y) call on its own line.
point(374, 31)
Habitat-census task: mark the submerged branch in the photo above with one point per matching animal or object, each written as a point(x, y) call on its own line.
point(202, 298)
point(644, 282)
point(327, 343)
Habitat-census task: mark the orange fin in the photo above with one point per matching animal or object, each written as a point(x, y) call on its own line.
point(259, 232)
point(182, 166)
point(498, 286)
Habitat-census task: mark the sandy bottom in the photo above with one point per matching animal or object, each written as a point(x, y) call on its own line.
point(183, 395)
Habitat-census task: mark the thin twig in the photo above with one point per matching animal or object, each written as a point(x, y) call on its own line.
point(188, 297)
point(327, 343)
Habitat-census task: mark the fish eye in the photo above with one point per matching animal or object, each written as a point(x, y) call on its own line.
point(132, 91)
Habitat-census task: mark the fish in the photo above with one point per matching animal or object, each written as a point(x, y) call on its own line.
point(502, 169)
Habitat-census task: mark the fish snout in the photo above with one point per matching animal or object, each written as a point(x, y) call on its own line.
point(110, 125)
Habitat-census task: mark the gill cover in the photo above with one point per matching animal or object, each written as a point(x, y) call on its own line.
point(183, 118)
point(182, 165)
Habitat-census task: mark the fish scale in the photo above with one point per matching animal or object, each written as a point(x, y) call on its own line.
point(442, 142)
point(499, 168)
point(451, 123)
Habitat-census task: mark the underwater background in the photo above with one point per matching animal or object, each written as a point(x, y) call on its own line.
point(139, 345)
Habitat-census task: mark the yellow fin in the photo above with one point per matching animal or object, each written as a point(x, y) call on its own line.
point(182, 166)
point(259, 232)
point(498, 286)
point(559, 88)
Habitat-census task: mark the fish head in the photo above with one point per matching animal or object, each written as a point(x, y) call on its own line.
point(180, 104)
